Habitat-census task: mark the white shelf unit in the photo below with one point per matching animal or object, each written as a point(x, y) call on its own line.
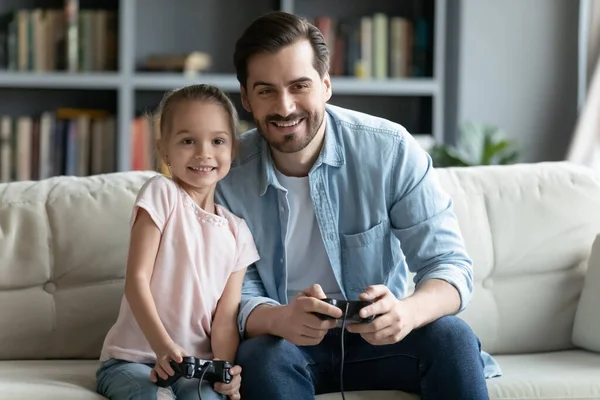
point(60, 80)
point(341, 85)
point(127, 83)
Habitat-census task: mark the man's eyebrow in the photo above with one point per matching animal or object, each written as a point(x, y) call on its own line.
point(261, 83)
point(298, 80)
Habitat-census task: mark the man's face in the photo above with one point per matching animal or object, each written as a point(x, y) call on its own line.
point(286, 96)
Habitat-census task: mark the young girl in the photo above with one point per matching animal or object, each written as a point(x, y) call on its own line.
point(187, 259)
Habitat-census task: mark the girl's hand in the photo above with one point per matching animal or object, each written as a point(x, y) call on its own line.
point(231, 389)
point(169, 352)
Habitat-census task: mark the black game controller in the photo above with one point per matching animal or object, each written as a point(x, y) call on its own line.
point(192, 367)
point(354, 308)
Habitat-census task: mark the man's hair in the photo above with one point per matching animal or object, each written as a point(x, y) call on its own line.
point(273, 31)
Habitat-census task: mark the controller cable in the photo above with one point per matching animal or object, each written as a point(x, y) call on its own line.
point(343, 351)
point(204, 368)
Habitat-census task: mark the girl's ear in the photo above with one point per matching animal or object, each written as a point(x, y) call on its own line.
point(161, 151)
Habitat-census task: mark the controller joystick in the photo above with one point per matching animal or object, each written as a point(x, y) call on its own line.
point(354, 307)
point(192, 367)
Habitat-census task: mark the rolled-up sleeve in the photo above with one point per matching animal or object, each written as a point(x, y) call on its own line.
point(253, 295)
point(423, 220)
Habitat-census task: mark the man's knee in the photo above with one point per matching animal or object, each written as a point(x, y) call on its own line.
point(449, 334)
point(266, 350)
point(273, 368)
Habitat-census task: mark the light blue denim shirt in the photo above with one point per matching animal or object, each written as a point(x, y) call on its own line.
point(378, 204)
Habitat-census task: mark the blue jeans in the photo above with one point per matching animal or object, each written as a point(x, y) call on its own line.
point(438, 361)
point(123, 380)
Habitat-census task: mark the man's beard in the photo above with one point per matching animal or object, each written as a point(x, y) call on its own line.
point(293, 142)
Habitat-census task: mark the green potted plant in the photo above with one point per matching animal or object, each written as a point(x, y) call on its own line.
point(477, 144)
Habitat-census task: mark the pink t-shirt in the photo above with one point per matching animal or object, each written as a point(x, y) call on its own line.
point(197, 253)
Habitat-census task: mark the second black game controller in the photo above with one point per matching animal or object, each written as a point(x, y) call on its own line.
point(353, 308)
point(192, 367)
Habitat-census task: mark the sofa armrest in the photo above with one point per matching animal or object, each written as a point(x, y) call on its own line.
point(586, 329)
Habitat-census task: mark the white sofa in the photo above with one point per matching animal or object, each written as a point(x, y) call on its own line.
point(529, 229)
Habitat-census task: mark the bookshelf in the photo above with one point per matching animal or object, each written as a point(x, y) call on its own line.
point(147, 27)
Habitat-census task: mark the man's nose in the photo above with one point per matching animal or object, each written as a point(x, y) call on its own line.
point(286, 104)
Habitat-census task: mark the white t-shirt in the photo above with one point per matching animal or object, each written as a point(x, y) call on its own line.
point(306, 259)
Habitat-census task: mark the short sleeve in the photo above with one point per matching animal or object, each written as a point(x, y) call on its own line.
point(157, 196)
point(245, 247)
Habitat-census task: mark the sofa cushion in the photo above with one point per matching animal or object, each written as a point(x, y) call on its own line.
point(529, 230)
point(566, 375)
point(586, 331)
point(563, 375)
point(48, 380)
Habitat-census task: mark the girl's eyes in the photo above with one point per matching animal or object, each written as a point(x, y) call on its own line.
point(192, 141)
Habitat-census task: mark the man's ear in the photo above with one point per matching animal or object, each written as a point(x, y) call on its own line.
point(327, 83)
point(245, 101)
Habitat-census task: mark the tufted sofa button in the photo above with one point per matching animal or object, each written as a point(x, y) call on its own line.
point(488, 283)
point(50, 287)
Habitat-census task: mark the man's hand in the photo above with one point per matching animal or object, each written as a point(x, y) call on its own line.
point(396, 318)
point(300, 326)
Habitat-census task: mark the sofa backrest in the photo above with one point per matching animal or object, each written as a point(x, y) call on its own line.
point(63, 249)
point(529, 229)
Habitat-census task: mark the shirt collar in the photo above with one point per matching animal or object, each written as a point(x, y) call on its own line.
point(332, 154)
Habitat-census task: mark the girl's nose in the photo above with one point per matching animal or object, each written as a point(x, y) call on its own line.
point(202, 151)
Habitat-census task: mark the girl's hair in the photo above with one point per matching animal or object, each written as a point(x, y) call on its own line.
point(201, 92)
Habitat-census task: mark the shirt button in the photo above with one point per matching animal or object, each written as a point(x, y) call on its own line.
point(282, 208)
point(281, 260)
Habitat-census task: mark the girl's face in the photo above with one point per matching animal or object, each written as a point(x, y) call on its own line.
point(200, 144)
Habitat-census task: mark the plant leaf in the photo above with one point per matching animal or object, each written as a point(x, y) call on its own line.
point(444, 156)
point(509, 158)
point(470, 142)
point(477, 144)
point(492, 151)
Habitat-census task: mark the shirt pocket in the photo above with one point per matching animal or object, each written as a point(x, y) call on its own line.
point(367, 257)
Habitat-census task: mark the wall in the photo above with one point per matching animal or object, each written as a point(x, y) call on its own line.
point(517, 69)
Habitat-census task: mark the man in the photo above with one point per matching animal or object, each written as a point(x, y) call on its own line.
point(341, 205)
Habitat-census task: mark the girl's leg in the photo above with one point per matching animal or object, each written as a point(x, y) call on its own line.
point(123, 380)
point(187, 389)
